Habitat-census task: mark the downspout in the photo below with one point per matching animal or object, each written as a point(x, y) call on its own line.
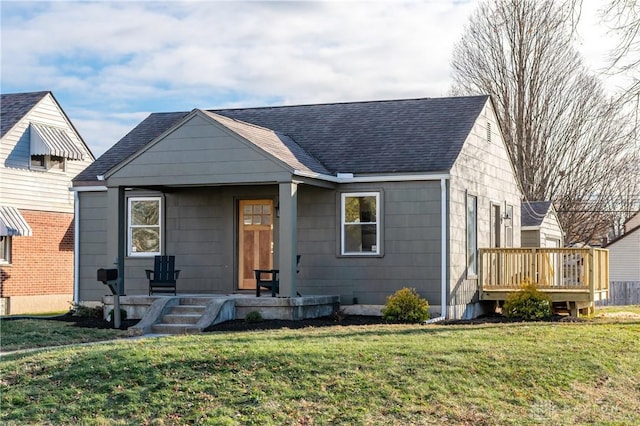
point(76, 247)
point(443, 253)
point(443, 248)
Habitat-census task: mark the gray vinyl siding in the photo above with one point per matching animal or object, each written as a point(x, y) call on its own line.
point(410, 244)
point(199, 152)
point(482, 169)
point(34, 189)
point(92, 239)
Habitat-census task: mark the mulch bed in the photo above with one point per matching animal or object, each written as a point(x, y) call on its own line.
point(329, 321)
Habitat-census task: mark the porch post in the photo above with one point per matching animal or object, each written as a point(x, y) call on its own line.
point(116, 241)
point(288, 238)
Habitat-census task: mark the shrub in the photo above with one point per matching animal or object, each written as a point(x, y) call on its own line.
point(83, 311)
point(253, 316)
point(528, 303)
point(406, 306)
point(123, 315)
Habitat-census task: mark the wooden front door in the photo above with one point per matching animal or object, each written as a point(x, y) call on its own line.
point(255, 240)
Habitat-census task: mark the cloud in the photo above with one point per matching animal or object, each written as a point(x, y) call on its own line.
point(112, 63)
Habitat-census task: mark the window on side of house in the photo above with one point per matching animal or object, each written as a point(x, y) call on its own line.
point(360, 233)
point(47, 162)
point(5, 249)
point(144, 230)
point(472, 235)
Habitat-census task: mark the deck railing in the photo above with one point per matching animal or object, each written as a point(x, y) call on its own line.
point(549, 268)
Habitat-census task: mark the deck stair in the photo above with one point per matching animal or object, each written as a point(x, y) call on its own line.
point(181, 318)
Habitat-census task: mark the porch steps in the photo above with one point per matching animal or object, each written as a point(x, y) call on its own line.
point(181, 318)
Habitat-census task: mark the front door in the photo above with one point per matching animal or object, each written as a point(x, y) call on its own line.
point(255, 240)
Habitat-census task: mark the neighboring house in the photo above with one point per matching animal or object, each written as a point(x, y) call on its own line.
point(624, 253)
point(40, 152)
point(632, 223)
point(540, 225)
point(374, 196)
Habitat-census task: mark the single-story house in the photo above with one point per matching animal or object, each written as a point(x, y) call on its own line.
point(540, 226)
point(40, 152)
point(374, 197)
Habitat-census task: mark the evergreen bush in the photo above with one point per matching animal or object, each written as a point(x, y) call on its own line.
point(406, 306)
point(528, 303)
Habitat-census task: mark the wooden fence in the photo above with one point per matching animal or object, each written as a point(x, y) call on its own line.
point(622, 293)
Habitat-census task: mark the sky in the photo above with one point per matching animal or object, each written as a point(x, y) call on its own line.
point(112, 63)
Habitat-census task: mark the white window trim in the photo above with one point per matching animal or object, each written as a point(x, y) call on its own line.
point(5, 256)
point(343, 197)
point(130, 227)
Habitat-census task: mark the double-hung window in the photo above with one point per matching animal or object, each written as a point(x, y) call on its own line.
point(472, 236)
point(360, 228)
point(145, 226)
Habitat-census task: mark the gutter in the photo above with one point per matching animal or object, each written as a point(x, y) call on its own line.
point(350, 178)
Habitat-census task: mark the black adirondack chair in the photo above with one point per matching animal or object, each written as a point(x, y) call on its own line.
point(164, 275)
point(272, 283)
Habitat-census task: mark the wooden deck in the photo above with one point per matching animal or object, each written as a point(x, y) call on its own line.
point(573, 277)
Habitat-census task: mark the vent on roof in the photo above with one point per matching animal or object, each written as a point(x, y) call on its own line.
point(489, 131)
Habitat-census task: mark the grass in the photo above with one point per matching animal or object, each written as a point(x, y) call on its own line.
point(19, 334)
point(492, 374)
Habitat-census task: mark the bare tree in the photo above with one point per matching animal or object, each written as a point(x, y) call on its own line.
point(624, 19)
point(568, 142)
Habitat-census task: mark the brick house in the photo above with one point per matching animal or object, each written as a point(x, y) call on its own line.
point(40, 152)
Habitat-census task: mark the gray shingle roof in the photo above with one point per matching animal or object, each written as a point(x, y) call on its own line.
point(534, 212)
point(14, 106)
point(397, 136)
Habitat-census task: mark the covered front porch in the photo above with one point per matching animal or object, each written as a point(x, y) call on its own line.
point(573, 277)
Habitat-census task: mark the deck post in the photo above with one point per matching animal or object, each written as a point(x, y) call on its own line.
point(591, 273)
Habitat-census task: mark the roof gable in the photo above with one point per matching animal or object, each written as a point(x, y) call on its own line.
point(379, 137)
point(204, 148)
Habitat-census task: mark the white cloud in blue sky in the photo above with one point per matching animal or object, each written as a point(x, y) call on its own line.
point(110, 64)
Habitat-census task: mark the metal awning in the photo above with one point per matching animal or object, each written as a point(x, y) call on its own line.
point(12, 224)
point(47, 140)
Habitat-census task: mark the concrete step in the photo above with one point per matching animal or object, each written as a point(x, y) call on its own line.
point(187, 309)
point(181, 318)
point(197, 301)
point(170, 328)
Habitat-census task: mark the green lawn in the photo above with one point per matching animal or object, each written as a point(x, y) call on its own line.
point(19, 334)
point(519, 373)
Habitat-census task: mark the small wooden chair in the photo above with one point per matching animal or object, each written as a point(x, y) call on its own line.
point(163, 277)
point(272, 283)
